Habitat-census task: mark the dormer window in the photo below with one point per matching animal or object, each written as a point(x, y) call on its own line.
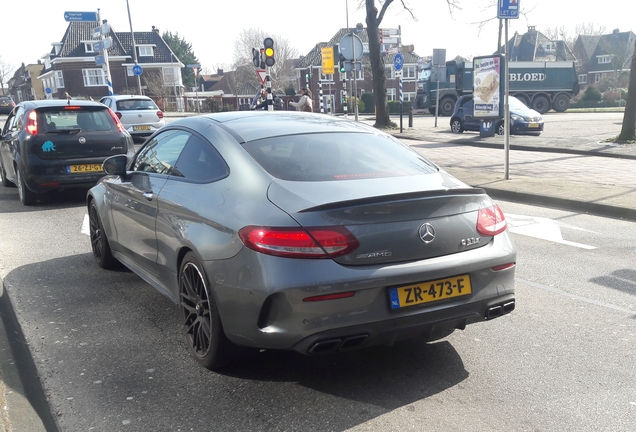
point(88, 47)
point(145, 50)
point(604, 59)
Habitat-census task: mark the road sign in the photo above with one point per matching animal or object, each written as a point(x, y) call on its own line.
point(261, 74)
point(80, 16)
point(100, 46)
point(137, 70)
point(327, 60)
point(398, 62)
point(102, 29)
point(351, 47)
point(100, 60)
point(194, 66)
point(398, 73)
point(508, 9)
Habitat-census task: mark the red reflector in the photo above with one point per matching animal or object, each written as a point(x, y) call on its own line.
point(72, 108)
point(320, 242)
point(491, 221)
point(330, 296)
point(503, 267)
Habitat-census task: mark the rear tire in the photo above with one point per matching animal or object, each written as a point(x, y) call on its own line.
point(501, 128)
point(201, 320)
point(561, 102)
point(541, 104)
point(27, 196)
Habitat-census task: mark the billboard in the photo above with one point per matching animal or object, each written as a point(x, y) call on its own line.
point(488, 86)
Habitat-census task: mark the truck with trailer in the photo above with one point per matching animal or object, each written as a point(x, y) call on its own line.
point(540, 85)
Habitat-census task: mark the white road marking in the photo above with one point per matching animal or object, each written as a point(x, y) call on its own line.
point(85, 226)
point(542, 228)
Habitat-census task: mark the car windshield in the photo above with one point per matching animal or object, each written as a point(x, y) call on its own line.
point(337, 156)
point(136, 104)
point(516, 104)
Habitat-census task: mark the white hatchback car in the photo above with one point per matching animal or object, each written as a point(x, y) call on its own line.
point(140, 115)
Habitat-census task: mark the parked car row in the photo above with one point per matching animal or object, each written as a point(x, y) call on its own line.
point(273, 230)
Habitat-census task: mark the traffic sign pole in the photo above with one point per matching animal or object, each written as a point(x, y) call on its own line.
point(106, 65)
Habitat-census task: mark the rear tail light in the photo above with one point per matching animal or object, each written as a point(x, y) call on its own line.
point(116, 117)
point(160, 114)
point(118, 114)
point(491, 221)
point(32, 123)
point(318, 242)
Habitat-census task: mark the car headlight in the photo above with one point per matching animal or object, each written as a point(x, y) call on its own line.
point(516, 117)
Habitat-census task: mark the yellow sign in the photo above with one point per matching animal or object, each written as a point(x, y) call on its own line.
point(327, 60)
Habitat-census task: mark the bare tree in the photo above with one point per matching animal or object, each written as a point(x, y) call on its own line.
point(589, 28)
point(374, 19)
point(280, 73)
point(628, 130)
point(6, 72)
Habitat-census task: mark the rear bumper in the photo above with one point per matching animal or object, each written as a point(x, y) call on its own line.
point(41, 176)
point(428, 326)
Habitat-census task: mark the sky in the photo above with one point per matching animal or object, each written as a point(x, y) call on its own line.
point(213, 26)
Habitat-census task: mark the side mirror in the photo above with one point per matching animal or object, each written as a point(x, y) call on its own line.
point(116, 165)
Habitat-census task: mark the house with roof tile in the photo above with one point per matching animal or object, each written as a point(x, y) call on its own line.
point(604, 56)
point(70, 68)
point(21, 85)
point(535, 46)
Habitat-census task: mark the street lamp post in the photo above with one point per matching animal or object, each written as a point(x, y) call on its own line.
point(134, 47)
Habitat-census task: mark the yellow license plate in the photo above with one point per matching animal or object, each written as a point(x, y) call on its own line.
point(75, 169)
point(533, 125)
point(431, 291)
point(141, 128)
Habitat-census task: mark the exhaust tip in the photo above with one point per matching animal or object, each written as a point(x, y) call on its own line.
point(494, 312)
point(353, 342)
point(325, 346)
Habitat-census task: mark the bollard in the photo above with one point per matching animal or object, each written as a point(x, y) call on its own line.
point(411, 118)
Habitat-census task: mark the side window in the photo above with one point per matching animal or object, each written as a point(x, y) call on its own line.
point(9, 124)
point(160, 154)
point(18, 122)
point(200, 161)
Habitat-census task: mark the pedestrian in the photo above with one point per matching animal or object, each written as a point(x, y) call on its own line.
point(304, 103)
point(276, 101)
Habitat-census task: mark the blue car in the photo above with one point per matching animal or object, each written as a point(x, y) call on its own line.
point(524, 120)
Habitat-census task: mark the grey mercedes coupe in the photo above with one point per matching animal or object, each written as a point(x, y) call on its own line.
point(301, 231)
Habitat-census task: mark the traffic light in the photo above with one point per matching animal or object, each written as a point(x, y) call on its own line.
point(256, 57)
point(268, 43)
point(341, 63)
point(308, 75)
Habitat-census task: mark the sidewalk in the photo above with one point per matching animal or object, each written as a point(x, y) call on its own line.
point(580, 173)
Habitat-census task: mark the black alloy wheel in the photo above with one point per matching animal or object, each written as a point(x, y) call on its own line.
point(27, 196)
point(99, 242)
point(501, 128)
point(201, 321)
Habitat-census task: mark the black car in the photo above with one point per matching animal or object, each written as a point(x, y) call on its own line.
point(57, 144)
point(525, 121)
point(6, 104)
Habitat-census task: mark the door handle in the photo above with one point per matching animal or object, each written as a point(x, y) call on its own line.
point(149, 196)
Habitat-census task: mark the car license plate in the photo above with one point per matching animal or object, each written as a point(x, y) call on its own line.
point(74, 169)
point(533, 125)
point(141, 128)
point(430, 291)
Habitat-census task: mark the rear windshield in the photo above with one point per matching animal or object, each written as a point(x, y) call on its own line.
point(136, 104)
point(337, 156)
point(71, 118)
